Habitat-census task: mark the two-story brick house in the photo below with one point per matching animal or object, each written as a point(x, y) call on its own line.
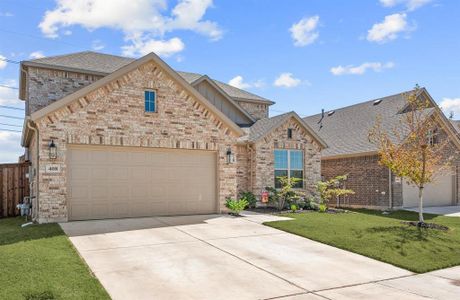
point(112, 137)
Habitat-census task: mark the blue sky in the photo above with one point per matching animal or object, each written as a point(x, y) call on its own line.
point(305, 55)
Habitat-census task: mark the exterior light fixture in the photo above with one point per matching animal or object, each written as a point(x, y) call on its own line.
point(230, 156)
point(53, 150)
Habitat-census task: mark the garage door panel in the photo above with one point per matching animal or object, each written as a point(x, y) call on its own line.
point(107, 182)
point(80, 173)
point(99, 157)
point(99, 192)
point(99, 210)
point(437, 193)
point(79, 190)
point(98, 172)
point(117, 172)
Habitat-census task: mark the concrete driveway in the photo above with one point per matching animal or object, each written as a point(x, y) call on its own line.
point(221, 257)
point(448, 211)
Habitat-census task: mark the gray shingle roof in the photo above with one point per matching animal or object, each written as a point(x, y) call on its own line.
point(263, 126)
point(87, 60)
point(346, 131)
point(456, 124)
point(105, 64)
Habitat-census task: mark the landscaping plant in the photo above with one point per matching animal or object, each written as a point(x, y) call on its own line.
point(412, 149)
point(286, 194)
point(236, 206)
point(330, 189)
point(250, 197)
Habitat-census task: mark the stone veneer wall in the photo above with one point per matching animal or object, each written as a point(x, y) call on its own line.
point(264, 158)
point(365, 177)
point(256, 110)
point(114, 115)
point(45, 86)
point(242, 168)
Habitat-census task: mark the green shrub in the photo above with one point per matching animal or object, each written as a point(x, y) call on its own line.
point(332, 189)
point(286, 195)
point(311, 204)
point(250, 197)
point(236, 206)
point(294, 207)
point(322, 207)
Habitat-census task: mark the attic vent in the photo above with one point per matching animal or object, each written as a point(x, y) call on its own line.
point(331, 113)
point(377, 102)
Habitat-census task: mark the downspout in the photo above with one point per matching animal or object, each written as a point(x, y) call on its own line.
point(37, 166)
point(390, 189)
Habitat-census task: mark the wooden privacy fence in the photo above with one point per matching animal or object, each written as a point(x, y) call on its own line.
point(14, 186)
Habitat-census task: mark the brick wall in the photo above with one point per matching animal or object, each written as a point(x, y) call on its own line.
point(256, 110)
point(365, 176)
point(45, 86)
point(114, 115)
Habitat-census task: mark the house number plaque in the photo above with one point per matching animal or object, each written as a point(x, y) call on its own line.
point(53, 168)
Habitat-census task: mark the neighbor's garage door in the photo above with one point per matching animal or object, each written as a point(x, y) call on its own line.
point(117, 182)
point(437, 193)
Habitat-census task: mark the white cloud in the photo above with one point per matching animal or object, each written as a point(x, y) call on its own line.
point(410, 4)
point(238, 82)
point(3, 62)
point(287, 80)
point(161, 47)
point(6, 14)
point(11, 146)
point(303, 33)
point(36, 54)
point(97, 45)
point(143, 22)
point(361, 69)
point(9, 96)
point(389, 29)
point(449, 105)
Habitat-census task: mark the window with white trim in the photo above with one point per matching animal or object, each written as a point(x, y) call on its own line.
point(433, 137)
point(150, 101)
point(288, 163)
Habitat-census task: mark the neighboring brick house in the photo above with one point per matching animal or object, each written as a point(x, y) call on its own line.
point(346, 131)
point(113, 137)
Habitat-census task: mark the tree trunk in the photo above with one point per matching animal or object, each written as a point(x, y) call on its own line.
point(420, 205)
point(421, 186)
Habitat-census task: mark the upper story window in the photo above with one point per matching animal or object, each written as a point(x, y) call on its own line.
point(433, 137)
point(289, 133)
point(150, 101)
point(288, 163)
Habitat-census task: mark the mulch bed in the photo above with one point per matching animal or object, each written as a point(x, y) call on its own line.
point(272, 210)
point(426, 225)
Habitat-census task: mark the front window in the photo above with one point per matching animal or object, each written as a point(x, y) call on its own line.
point(150, 101)
point(288, 163)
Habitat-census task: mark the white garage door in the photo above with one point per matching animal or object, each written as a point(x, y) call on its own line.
point(118, 182)
point(437, 193)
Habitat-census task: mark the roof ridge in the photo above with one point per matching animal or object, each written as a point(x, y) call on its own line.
point(361, 103)
point(60, 55)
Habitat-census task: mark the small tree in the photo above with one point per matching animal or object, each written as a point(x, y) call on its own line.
point(332, 188)
point(412, 149)
point(286, 194)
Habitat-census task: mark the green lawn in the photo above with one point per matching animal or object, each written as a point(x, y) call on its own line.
point(383, 237)
point(39, 262)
